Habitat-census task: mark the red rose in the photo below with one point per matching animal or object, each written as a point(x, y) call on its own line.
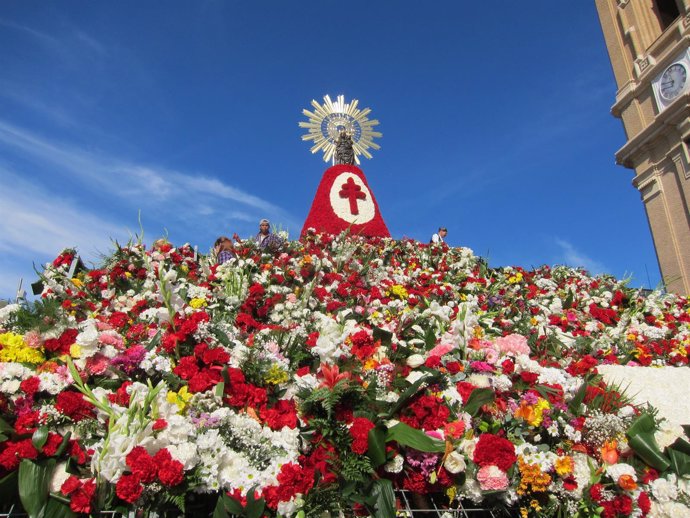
point(129, 488)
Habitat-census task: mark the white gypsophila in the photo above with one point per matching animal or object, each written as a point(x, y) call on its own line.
point(7, 311)
point(616, 471)
point(668, 510)
point(665, 489)
point(668, 433)
point(155, 363)
point(555, 307)
point(395, 465)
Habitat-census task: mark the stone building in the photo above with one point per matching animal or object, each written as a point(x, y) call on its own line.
point(649, 46)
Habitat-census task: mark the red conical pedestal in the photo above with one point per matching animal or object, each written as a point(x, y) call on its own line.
point(344, 201)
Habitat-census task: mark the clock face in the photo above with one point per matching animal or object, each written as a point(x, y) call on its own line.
point(672, 81)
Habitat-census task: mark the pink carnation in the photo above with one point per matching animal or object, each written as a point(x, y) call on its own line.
point(492, 478)
point(441, 349)
point(515, 344)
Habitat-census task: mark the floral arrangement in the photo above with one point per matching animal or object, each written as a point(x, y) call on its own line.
point(325, 377)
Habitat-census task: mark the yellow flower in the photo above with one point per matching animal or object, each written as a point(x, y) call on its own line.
point(14, 349)
point(564, 465)
point(398, 291)
point(514, 279)
point(180, 398)
point(75, 350)
point(128, 275)
point(276, 375)
point(197, 303)
point(77, 282)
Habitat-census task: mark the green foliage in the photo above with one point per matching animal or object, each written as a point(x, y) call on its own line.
point(356, 468)
point(41, 315)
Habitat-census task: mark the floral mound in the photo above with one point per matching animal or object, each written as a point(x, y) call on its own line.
point(325, 377)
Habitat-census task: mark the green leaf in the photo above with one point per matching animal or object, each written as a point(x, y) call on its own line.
point(232, 506)
point(222, 337)
point(383, 335)
point(385, 499)
point(254, 508)
point(408, 436)
point(56, 509)
point(377, 446)
point(63, 445)
point(220, 510)
point(154, 342)
point(479, 397)
point(680, 462)
point(641, 440)
point(33, 485)
point(40, 437)
point(411, 391)
point(5, 427)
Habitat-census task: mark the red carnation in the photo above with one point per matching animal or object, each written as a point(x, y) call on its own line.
point(142, 464)
point(359, 431)
point(73, 405)
point(129, 488)
point(70, 485)
point(494, 450)
point(171, 472)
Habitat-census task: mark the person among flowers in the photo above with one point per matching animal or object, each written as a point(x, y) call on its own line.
point(440, 236)
point(267, 240)
point(223, 250)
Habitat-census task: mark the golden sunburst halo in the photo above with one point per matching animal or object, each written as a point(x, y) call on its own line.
point(329, 119)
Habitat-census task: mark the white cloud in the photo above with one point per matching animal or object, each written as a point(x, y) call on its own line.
point(134, 183)
point(575, 258)
point(36, 222)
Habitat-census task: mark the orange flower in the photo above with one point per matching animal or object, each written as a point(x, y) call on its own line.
point(454, 429)
point(609, 453)
point(627, 482)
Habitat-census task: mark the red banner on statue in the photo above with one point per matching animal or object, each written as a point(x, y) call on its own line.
point(344, 201)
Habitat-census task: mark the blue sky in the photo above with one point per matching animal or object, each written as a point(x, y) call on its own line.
point(495, 121)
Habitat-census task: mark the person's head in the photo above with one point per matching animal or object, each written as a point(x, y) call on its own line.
point(223, 243)
point(442, 231)
point(264, 226)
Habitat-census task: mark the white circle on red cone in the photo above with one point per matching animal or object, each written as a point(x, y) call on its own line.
point(351, 200)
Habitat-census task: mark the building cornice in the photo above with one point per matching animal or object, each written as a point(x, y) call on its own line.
point(674, 117)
